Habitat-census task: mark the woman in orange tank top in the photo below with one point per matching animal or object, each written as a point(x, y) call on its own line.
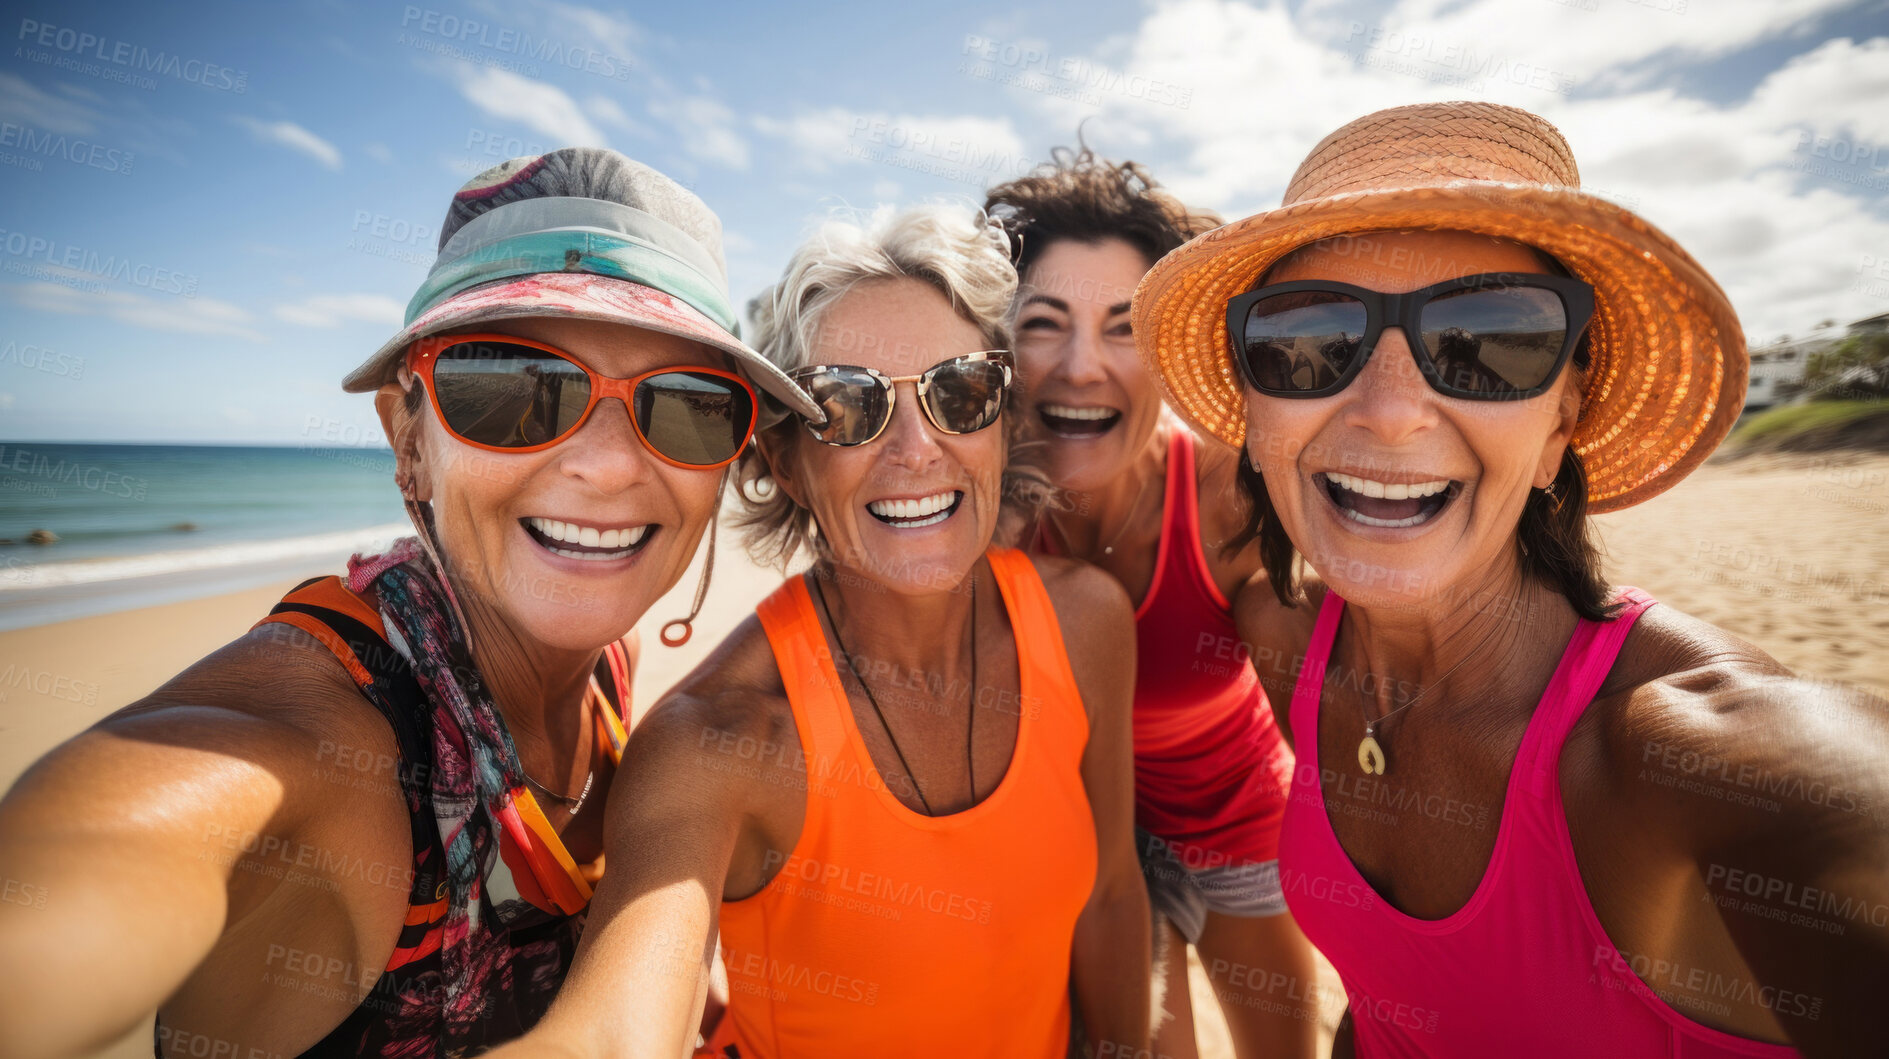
point(903, 791)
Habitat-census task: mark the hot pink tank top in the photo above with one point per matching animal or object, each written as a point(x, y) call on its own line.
point(1524, 968)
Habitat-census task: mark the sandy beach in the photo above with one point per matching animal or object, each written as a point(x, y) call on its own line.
point(1790, 552)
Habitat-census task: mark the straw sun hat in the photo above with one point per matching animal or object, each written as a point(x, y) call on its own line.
point(1667, 370)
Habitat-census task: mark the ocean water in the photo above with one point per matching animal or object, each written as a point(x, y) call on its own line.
point(145, 523)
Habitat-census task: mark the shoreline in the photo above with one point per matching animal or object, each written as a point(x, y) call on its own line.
point(43, 593)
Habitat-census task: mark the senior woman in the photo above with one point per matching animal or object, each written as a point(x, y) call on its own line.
point(1211, 771)
point(902, 790)
point(1441, 355)
point(371, 825)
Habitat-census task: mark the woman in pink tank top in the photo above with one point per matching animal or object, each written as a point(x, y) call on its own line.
point(1211, 769)
point(1532, 814)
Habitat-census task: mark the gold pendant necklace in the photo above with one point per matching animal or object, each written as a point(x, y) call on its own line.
point(1371, 756)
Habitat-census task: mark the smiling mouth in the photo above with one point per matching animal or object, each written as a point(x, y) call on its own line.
point(1073, 421)
point(587, 542)
point(1393, 505)
point(912, 514)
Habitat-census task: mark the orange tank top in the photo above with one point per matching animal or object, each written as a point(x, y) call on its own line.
point(888, 932)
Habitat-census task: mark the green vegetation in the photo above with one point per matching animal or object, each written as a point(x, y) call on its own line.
point(1816, 425)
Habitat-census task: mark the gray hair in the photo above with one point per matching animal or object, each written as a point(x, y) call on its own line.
point(961, 253)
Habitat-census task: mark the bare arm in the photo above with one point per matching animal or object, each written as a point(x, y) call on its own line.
point(129, 850)
point(1802, 890)
point(1276, 639)
point(677, 816)
point(1111, 963)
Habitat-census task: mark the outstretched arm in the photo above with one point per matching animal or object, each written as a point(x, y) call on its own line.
point(1802, 890)
point(676, 817)
point(125, 853)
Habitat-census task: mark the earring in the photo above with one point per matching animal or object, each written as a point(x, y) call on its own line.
point(687, 625)
point(759, 489)
point(1549, 491)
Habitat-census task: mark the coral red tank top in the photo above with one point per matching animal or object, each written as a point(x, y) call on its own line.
point(1525, 967)
point(888, 932)
point(1211, 770)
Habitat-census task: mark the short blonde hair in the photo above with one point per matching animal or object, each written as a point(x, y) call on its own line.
point(963, 255)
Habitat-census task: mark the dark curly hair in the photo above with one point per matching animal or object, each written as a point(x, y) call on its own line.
point(1079, 196)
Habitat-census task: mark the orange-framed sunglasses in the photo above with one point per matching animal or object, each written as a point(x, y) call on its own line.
point(509, 394)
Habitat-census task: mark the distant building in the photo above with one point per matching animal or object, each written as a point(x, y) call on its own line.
point(1781, 364)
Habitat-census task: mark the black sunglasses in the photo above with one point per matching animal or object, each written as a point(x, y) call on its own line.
point(1497, 336)
point(961, 395)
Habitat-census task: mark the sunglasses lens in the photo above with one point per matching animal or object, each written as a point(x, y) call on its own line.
point(508, 396)
point(1302, 342)
point(694, 418)
point(1492, 341)
point(966, 395)
point(855, 402)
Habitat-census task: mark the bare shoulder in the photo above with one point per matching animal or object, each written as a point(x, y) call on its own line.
point(274, 706)
point(1093, 608)
point(1097, 622)
point(715, 775)
point(1077, 588)
point(1691, 709)
point(1277, 636)
point(728, 718)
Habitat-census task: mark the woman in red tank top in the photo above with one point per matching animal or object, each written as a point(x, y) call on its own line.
point(1211, 771)
point(1534, 813)
point(903, 791)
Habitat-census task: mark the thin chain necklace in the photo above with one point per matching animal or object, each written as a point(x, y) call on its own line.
point(572, 805)
point(1371, 756)
point(970, 728)
point(1127, 521)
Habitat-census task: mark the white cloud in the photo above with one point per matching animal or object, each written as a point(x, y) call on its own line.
point(23, 103)
point(960, 144)
point(293, 136)
point(334, 310)
point(379, 153)
point(543, 108)
point(195, 316)
point(616, 36)
point(704, 126)
point(1740, 185)
point(611, 113)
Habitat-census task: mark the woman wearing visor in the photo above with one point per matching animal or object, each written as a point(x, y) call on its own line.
point(372, 825)
point(902, 791)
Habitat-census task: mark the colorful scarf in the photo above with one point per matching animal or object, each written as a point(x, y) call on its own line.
point(474, 770)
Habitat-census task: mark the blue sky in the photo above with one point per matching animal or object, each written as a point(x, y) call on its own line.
point(211, 214)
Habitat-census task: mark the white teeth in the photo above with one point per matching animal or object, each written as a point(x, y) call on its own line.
point(1064, 411)
point(1387, 490)
point(621, 538)
point(931, 509)
point(1356, 516)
